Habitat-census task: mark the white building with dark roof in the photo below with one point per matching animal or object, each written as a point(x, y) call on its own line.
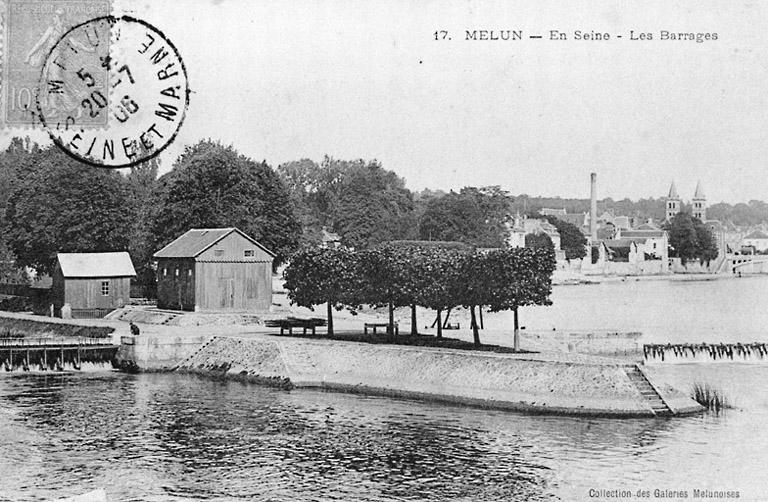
point(757, 239)
point(91, 284)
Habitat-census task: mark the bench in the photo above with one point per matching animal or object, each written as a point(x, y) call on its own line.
point(294, 322)
point(374, 325)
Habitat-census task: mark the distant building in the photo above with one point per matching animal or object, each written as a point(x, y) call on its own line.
point(214, 269)
point(623, 250)
point(329, 239)
point(653, 242)
point(622, 222)
point(91, 284)
point(578, 220)
point(699, 203)
point(757, 239)
point(538, 226)
point(516, 233)
point(552, 212)
point(674, 204)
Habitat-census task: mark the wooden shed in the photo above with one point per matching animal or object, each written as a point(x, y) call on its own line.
point(214, 269)
point(91, 284)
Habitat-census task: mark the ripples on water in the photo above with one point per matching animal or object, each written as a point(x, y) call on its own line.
point(177, 437)
point(165, 437)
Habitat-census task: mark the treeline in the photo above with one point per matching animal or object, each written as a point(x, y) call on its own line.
point(437, 277)
point(50, 203)
point(53, 204)
point(366, 205)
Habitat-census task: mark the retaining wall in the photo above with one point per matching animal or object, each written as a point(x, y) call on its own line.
point(161, 352)
point(580, 385)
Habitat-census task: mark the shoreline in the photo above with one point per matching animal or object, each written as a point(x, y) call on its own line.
point(550, 382)
point(562, 384)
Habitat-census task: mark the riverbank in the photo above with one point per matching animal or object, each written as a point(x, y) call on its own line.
point(546, 382)
point(16, 325)
point(557, 383)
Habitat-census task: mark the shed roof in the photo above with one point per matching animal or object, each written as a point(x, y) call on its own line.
point(644, 234)
point(757, 234)
point(619, 243)
point(96, 264)
point(197, 240)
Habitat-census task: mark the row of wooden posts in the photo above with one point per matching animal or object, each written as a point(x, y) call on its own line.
point(715, 351)
point(53, 357)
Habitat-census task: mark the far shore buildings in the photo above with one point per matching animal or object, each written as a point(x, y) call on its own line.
point(757, 240)
point(625, 246)
point(214, 269)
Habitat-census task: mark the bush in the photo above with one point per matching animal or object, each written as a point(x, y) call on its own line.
point(709, 397)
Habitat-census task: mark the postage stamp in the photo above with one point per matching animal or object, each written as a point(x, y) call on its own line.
point(32, 31)
point(145, 104)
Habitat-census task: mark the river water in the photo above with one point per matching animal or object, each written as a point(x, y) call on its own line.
point(171, 437)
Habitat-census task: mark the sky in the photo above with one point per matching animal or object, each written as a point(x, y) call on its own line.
point(291, 79)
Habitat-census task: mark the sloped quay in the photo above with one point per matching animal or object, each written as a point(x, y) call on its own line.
point(540, 383)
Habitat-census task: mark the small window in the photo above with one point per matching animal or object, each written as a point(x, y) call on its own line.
point(218, 252)
point(177, 272)
point(165, 272)
point(104, 288)
point(249, 253)
point(189, 272)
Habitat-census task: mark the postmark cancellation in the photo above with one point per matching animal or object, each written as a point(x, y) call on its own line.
point(109, 91)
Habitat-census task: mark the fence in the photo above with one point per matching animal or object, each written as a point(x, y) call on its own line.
point(97, 313)
point(15, 289)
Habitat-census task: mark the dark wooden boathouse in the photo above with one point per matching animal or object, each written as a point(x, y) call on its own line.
point(214, 269)
point(91, 284)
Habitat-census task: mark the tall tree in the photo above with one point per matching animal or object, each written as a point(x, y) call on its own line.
point(683, 238)
point(439, 281)
point(572, 240)
point(425, 272)
point(16, 161)
point(212, 185)
point(708, 249)
point(373, 206)
point(360, 200)
point(64, 206)
point(386, 276)
point(538, 241)
point(315, 276)
point(141, 183)
point(506, 279)
point(476, 216)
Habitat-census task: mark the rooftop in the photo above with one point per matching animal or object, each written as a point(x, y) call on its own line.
point(197, 240)
point(757, 234)
point(96, 264)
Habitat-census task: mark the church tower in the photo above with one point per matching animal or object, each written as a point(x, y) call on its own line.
point(673, 202)
point(699, 203)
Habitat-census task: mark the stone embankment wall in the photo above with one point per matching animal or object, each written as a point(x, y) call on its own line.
point(565, 384)
point(157, 352)
point(626, 345)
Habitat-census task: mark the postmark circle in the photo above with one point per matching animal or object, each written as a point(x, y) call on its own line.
point(113, 92)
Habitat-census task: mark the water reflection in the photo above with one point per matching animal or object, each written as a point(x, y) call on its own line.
point(176, 437)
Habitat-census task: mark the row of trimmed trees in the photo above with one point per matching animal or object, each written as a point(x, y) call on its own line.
point(437, 277)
